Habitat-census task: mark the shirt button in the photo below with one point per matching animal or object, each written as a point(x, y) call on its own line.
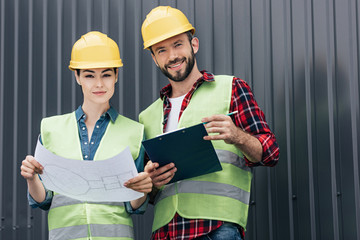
point(83, 128)
point(86, 156)
point(97, 126)
point(85, 143)
point(92, 142)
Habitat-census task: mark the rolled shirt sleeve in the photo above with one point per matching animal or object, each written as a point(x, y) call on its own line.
point(44, 205)
point(252, 120)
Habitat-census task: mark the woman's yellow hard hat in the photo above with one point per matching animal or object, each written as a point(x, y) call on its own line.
point(95, 50)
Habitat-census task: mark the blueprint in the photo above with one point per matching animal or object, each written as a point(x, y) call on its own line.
point(94, 181)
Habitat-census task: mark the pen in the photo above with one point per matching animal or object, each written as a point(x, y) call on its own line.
point(232, 113)
point(229, 114)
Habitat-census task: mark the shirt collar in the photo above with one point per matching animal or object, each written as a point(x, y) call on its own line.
point(206, 76)
point(112, 113)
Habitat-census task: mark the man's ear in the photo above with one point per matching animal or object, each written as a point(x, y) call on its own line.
point(195, 44)
point(77, 78)
point(154, 58)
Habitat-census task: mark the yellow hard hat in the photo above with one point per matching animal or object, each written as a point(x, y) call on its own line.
point(95, 50)
point(164, 22)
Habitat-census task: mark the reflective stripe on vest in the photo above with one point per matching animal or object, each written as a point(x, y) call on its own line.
point(102, 230)
point(73, 232)
point(97, 230)
point(231, 158)
point(61, 201)
point(204, 187)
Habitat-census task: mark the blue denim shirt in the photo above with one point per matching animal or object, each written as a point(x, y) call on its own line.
point(89, 148)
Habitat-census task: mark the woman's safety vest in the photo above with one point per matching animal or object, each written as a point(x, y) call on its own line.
point(222, 195)
point(72, 219)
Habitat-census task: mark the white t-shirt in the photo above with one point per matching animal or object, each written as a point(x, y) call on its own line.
point(173, 119)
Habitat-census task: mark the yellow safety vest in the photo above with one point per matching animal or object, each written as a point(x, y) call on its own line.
point(221, 195)
point(72, 219)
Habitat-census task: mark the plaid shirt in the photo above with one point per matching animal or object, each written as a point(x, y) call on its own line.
point(242, 101)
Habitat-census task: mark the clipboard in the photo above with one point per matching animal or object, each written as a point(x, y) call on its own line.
point(192, 155)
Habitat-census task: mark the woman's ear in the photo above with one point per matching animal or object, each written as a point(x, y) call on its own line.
point(77, 77)
point(117, 76)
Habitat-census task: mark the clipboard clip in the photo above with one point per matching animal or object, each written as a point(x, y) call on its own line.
point(183, 130)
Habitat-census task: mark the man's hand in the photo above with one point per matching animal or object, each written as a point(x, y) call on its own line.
point(224, 126)
point(30, 167)
point(141, 183)
point(160, 176)
point(249, 145)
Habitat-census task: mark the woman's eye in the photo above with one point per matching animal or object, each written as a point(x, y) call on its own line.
point(106, 75)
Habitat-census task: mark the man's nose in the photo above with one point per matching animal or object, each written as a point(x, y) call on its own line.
point(173, 54)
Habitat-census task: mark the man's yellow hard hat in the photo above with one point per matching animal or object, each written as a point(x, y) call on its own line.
point(164, 22)
point(95, 50)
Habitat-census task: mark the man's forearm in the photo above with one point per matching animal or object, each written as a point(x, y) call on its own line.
point(249, 145)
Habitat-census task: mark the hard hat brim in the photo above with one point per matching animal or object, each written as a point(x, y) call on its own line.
point(83, 65)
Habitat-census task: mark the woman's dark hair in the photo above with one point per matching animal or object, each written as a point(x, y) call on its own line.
point(78, 71)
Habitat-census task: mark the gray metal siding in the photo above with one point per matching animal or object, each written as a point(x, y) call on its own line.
point(301, 58)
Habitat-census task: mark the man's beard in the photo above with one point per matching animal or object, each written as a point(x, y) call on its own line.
point(178, 77)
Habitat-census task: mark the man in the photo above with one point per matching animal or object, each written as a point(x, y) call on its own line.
point(95, 131)
point(212, 206)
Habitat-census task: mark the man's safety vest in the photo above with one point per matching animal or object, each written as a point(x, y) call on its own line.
point(72, 219)
point(222, 195)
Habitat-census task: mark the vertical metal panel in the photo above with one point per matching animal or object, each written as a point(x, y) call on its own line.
point(2, 99)
point(43, 228)
point(121, 12)
point(44, 58)
point(354, 106)
point(58, 53)
point(73, 39)
point(29, 101)
point(137, 50)
point(308, 59)
point(346, 74)
point(303, 81)
point(288, 110)
point(205, 33)
point(260, 63)
point(222, 35)
point(279, 182)
point(300, 57)
point(241, 38)
point(330, 49)
point(15, 117)
point(8, 120)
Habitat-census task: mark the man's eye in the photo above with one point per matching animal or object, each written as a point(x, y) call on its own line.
point(89, 76)
point(161, 51)
point(178, 45)
point(106, 75)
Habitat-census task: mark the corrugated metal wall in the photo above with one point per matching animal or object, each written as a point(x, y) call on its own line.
point(301, 58)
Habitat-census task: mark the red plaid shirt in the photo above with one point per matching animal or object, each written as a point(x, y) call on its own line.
point(252, 120)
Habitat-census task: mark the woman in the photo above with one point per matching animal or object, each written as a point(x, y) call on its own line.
point(94, 131)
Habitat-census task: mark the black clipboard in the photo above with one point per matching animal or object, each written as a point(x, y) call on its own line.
point(192, 155)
